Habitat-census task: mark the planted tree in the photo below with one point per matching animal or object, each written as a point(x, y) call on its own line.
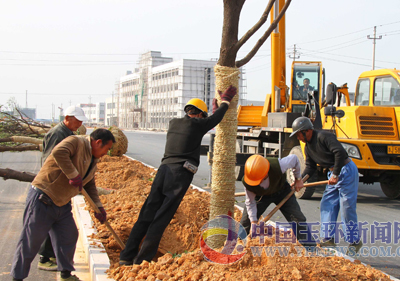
point(227, 73)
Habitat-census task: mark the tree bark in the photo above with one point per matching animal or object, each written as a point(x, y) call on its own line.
point(22, 139)
point(20, 148)
point(230, 30)
point(17, 175)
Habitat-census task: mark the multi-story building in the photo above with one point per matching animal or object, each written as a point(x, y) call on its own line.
point(111, 114)
point(94, 112)
point(157, 91)
point(26, 112)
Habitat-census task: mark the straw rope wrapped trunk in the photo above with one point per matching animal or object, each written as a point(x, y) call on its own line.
point(224, 158)
point(226, 72)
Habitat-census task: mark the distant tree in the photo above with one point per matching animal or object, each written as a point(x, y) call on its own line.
point(12, 103)
point(227, 73)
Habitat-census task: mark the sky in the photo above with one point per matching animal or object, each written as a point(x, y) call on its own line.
point(57, 53)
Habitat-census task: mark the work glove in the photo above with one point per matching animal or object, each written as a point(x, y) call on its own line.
point(102, 216)
point(77, 182)
point(228, 94)
point(215, 105)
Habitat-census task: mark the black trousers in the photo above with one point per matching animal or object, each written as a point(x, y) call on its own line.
point(290, 210)
point(166, 194)
point(46, 249)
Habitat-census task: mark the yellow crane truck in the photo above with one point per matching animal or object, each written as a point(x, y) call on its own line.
point(368, 130)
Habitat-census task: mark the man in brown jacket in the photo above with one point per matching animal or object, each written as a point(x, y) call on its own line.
point(70, 167)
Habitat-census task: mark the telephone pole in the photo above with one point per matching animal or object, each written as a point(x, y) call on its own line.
point(374, 43)
point(90, 110)
point(296, 54)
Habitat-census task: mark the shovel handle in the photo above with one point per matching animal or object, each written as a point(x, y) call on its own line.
point(96, 209)
point(277, 207)
point(305, 185)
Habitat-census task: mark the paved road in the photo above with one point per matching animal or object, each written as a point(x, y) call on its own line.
point(12, 203)
point(372, 205)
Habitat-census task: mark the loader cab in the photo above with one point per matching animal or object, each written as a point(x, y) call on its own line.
point(378, 88)
point(306, 78)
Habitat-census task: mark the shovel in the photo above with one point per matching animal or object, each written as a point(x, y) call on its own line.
point(277, 207)
point(96, 209)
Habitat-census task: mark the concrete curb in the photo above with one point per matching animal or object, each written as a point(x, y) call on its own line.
point(95, 252)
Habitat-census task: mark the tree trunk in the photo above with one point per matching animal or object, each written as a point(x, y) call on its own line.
point(20, 148)
point(228, 51)
point(22, 139)
point(16, 175)
point(224, 157)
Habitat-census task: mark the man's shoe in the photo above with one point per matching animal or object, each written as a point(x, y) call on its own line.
point(354, 248)
point(71, 278)
point(54, 260)
point(49, 266)
point(328, 243)
point(122, 262)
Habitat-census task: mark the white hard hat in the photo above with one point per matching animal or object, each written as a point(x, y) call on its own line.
point(77, 112)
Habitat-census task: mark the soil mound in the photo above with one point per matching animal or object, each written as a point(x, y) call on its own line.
point(180, 257)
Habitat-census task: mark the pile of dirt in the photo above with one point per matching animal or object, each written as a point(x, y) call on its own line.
point(180, 257)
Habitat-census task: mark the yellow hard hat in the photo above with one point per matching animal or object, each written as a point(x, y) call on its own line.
point(255, 169)
point(199, 104)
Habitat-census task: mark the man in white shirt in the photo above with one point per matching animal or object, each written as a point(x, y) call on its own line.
point(265, 183)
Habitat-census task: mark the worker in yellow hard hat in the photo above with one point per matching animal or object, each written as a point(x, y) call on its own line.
point(178, 166)
point(265, 183)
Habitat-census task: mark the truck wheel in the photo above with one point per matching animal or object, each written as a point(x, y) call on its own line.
point(391, 188)
point(306, 192)
point(239, 170)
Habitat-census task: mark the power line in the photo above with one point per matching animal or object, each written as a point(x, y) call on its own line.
point(93, 64)
point(348, 62)
point(334, 37)
point(329, 38)
point(40, 60)
point(49, 94)
point(341, 55)
point(363, 42)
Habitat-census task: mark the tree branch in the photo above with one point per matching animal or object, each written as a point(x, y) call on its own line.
point(16, 175)
point(20, 148)
point(265, 36)
point(257, 26)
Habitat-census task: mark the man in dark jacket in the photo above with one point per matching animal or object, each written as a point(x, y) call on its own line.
point(324, 149)
point(74, 116)
point(178, 166)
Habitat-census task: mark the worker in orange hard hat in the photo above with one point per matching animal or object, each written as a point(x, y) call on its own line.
point(265, 183)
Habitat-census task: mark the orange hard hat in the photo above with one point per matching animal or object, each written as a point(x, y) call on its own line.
point(255, 169)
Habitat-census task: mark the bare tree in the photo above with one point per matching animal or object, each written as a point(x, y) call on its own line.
point(227, 73)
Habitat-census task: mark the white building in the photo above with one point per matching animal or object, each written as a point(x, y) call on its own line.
point(111, 117)
point(158, 90)
point(94, 112)
point(26, 112)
